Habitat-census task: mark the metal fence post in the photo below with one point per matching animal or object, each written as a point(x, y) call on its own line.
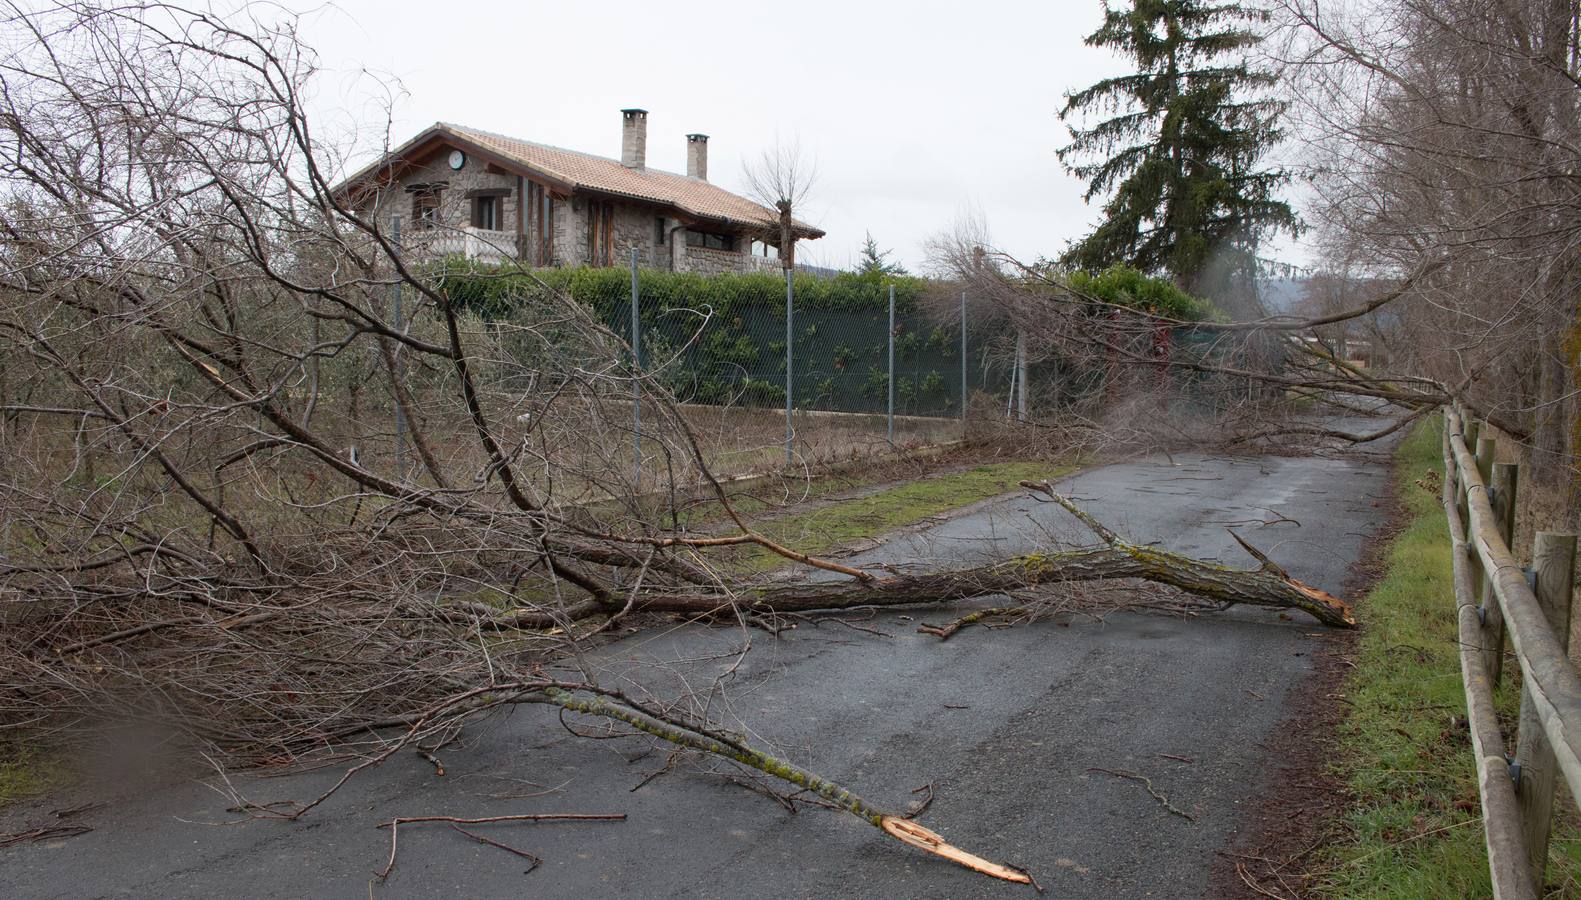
point(1010, 397)
point(1021, 373)
point(400, 327)
point(891, 364)
point(636, 375)
point(963, 357)
point(1553, 561)
point(790, 310)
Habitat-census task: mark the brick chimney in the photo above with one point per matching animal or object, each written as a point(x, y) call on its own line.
point(634, 138)
point(697, 156)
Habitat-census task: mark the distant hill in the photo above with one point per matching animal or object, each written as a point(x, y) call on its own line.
point(1282, 296)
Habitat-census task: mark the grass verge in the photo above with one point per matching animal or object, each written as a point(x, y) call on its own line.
point(830, 527)
point(24, 773)
point(1413, 827)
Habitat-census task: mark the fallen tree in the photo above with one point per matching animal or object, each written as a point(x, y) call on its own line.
point(208, 533)
point(1269, 585)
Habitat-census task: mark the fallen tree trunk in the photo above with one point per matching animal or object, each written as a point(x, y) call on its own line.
point(1269, 585)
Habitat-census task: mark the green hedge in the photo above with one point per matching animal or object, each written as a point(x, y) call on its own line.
point(494, 291)
point(737, 353)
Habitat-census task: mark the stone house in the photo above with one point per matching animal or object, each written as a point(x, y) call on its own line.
point(459, 190)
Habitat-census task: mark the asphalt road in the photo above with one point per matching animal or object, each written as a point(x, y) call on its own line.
point(1004, 723)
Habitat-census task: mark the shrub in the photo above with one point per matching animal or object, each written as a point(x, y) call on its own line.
point(1125, 286)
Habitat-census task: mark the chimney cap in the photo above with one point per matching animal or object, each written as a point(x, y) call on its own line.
point(697, 137)
point(635, 111)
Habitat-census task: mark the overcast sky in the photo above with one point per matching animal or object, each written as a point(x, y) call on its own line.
point(913, 113)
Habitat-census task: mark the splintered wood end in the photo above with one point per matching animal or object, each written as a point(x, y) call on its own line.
point(1345, 610)
point(909, 832)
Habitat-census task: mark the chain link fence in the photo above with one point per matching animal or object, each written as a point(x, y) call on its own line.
point(769, 375)
point(767, 378)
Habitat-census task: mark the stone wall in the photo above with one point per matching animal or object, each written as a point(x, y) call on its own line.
point(455, 210)
point(712, 262)
point(634, 227)
point(570, 232)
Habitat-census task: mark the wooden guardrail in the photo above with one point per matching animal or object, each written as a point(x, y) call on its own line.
point(1496, 598)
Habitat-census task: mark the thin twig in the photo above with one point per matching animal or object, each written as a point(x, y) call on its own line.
point(536, 862)
point(1147, 783)
point(48, 832)
point(395, 829)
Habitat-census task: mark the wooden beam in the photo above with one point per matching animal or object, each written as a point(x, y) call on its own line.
point(1554, 685)
point(1508, 857)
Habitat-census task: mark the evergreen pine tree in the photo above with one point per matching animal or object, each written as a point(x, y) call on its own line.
point(1178, 156)
point(875, 261)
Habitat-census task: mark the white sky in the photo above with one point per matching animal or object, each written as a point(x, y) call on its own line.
point(913, 113)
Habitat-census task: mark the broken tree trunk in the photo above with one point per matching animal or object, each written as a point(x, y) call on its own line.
point(589, 701)
point(1268, 585)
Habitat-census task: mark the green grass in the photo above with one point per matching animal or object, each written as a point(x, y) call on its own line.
point(23, 773)
point(842, 522)
point(1414, 828)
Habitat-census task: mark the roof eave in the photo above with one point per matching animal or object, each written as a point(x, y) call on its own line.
point(387, 163)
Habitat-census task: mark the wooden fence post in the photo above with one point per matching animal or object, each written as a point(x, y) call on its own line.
point(1553, 561)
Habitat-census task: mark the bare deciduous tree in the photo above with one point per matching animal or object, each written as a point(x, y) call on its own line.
point(206, 530)
point(1452, 131)
point(782, 179)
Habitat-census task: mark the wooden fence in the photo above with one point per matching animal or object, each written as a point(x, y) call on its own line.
point(1498, 598)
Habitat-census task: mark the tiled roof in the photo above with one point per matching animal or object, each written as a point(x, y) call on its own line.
point(584, 171)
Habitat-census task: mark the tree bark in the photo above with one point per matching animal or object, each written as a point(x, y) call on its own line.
point(590, 701)
point(1267, 586)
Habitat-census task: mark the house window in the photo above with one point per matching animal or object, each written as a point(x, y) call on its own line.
point(658, 230)
point(486, 213)
point(710, 240)
point(425, 208)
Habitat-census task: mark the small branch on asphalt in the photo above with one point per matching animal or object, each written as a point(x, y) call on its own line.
point(536, 861)
point(1147, 783)
point(943, 632)
point(49, 832)
point(669, 765)
point(918, 807)
point(395, 830)
point(439, 767)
